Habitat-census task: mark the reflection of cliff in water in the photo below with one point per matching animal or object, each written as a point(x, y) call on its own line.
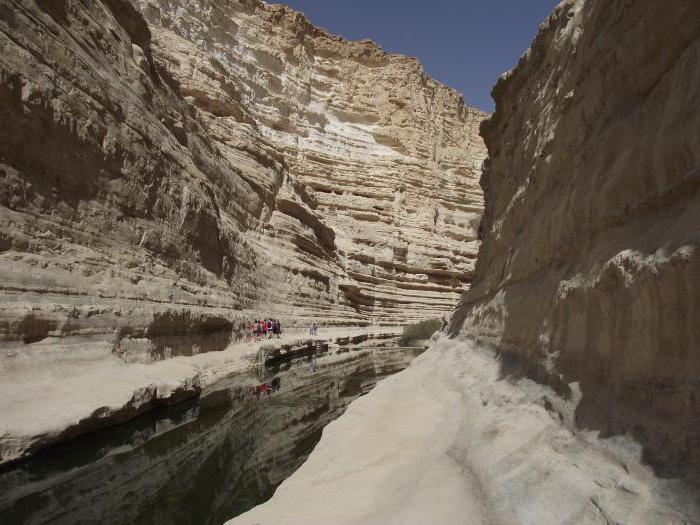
point(197, 463)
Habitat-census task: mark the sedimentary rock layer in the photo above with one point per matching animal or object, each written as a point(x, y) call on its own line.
point(163, 183)
point(385, 156)
point(589, 275)
point(225, 160)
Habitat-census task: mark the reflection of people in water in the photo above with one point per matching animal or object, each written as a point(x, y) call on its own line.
point(312, 364)
point(267, 388)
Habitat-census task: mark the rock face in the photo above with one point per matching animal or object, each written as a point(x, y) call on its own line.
point(170, 171)
point(589, 274)
point(383, 155)
point(220, 161)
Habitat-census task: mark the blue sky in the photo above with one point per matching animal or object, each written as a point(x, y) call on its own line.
point(465, 44)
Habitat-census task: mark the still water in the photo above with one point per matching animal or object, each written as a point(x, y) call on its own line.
point(200, 462)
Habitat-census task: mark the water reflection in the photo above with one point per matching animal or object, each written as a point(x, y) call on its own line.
point(200, 462)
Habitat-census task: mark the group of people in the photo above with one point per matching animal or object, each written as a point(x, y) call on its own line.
point(267, 388)
point(265, 328)
point(268, 328)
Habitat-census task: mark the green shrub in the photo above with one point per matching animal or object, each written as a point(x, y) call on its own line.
point(419, 331)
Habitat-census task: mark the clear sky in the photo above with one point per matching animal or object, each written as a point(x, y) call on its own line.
point(465, 44)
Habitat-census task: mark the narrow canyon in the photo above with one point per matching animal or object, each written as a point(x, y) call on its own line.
point(173, 170)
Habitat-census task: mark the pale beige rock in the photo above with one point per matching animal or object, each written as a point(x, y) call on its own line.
point(56, 389)
point(232, 157)
point(448, 441)
point(162, 186)
point(388, 158)
point(589, 275)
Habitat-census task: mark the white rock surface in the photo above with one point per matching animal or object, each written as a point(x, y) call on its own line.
point(449, 441)
point(54, 389)
point(589, 272)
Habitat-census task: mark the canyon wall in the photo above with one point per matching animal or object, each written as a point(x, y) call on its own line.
point(173, 169)
point(589, 275)
point(387, 157)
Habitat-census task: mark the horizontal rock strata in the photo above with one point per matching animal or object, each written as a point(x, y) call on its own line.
point(223, 159)
point(386, 157)
point(589, 275)
point(170, 171)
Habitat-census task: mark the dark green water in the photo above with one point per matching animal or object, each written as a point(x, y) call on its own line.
point(200, 462)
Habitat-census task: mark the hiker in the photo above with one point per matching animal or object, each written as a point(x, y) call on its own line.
point(269, 328)
point(276, 384)
point(278, 328)
point(264, 329)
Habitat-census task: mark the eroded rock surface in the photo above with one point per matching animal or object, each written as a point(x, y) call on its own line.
point(203, 461)
point(383, 155)
point(589, 275)
point(227, 159)
point(170, 171)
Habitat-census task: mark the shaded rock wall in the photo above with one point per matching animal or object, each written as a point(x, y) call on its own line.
point(589, 274)
point(225, 158)
point(115, 200)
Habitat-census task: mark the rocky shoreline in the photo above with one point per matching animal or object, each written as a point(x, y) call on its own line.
point(56, 389)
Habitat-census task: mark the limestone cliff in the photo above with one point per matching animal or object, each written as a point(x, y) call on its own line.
point(386, 157)
point(170, 171)
point(589, 274)
point(223, 161)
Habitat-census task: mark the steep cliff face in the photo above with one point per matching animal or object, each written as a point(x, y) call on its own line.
point(225, 160)
point(117, 206)
point(169, 172)
point(387, 156)
point(589, 275)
